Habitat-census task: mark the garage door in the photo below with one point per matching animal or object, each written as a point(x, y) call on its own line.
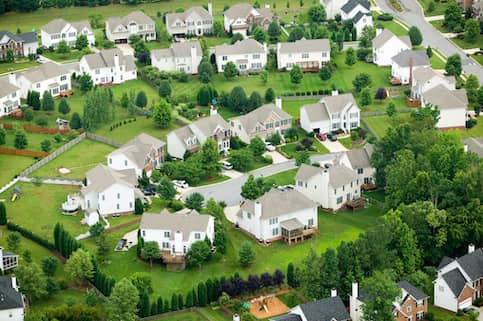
point(465, 304)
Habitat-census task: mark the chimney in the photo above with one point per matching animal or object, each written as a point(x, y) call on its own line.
point(213, 110)
point(12, 79)
point(411, 71)
point(355, 289)
point(267, 6)
point(116, 61)
point(194, 59)
point(210, 8)
point(471, 248)
point(378, 31)
point(236, 317)
point(333, 292)
point(278, 102)
point(14, 283)
point(258, 209)
point(465, 148)
point(334, 92)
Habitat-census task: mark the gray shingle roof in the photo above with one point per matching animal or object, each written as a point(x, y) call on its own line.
point(7, 88)
point(337, 103)
point(475, 145)
point(137, 148)
point(445, 261)
point(260, 115)
point(327, 309)
point(101, 177)
point(385, 35)
point(415, 292)
point(138, 17)
point(26, 37)
point(207, 125)
point(287, 317)
point(360, 158)
point(444, 98)
point(199, 10)
point(245, 46)
point(9, 297)
point(304, 45)
point(419, 58)
point(455, 280)
point(45, 71)
point(9, 35)
point(105, 59)
point(339, 175)
point(178, 50)
point(316, 112)
point(239, 10)
point(472, 263)
point(183, 133)
point(351, 4)
point(185, 221)
point(360, 15)
point(56, 25)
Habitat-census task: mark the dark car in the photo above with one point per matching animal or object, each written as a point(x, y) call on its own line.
point(149, 191)
point(332, 136)
point(121, 244)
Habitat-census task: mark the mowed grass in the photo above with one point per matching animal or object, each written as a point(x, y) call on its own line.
point(283, 178)
point(12, 165)
point(8, 67)
point(464, 44)
point(436, 62)
point(33, 139)
point(444, 315)
point(73, 55)
point(439, 7)
point(293, 106)
point(200, 314)
point(393, 26)
point(380, 124)
point(79, 159)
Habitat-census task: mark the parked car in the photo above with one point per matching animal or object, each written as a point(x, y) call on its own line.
point(332, 136)
point(226, 165)
point(269, 147)
point(149, 190)
point(180, 183)
point(327, 165)
point(121, 244)
point(321, 136)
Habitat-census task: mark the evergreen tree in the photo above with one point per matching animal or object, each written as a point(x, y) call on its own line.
point(160, 306)
point(246, 254)
point(296, 75)
point(174, 302)
point(3, 214)
point(75, 121)
point(20, 141)
point(291, 281)
point(48, 101)
point(64, 107)
point(35, 100)
point(154, 308)
point(180, 302)
point(189, 300)
point(202, 295)
point(350, 57)
point(230, 70)
point(162, 114)
point(164, 89)
point(144, 306)
point(85, 82)
point(269, 95)
point(141, 99)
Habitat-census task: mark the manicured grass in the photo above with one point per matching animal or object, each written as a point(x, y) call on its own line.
point(60, 298)
point(12, 165)
point(439, 7)
point(476, 131)
point(478, 58)
point(215, 180)
point(436, 62)
point(289, 149)
point(393, 26)
point(443, 315)
point(380, 124)
point(283, 178)
point(438, 24)
point(350, 144)
point(462, 43)
point(200, 314)
point(215, 41)
point(7, 67)
point(34, 140)
point(79, 159)
point(73, 55)
point(293, 106)
point(290, 299)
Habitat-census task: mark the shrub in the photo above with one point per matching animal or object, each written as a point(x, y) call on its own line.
point(176, 205)
point(41, 120)
point(28, 114)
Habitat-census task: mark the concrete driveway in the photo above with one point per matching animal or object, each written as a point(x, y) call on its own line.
point(276, 157)
point(230, 213)
point(126, 49)
point(334, 147)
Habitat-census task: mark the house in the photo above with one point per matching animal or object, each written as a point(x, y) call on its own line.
point(362, 20)
point(474, 145)
point(459, 281)
point(196, 21)
point(452, 105)
point(181, 56)
point(262, 122)
point(332, 7)
point(109, 66)
point(109, 192)
point(426, 78)
point(59, 29)
point(278, 214)
point(137, 23)
point(309, 55)
point(478, 10)
point(240, 18)
point(338, 111)
point(192, 136)
point(412, 304)
point(9, 95)
point(142, 153)
point(386, 45)
point(22, 44)
point(49, 76)
point(405, 63)
point(12, 304)
point(8, 260)
point(359, 160)
point(332, 187)
point(328, 309)
point(248, 55)
point(352, 7)
point(176, 232)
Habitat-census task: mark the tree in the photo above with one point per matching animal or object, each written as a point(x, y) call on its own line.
point(195, 201)
point(81, 42)
point(33, 281)
point(63, 47)
point(79, 266)
point(198, 253)
point(259, 35)
point(251, 189)
point(246, 255)
point(46, 145)
point(453, 65)
point(302, 157)
point(13, 241)
point(85, 82)
point(141, 99)
point(329, 274)
point(368, 34)
point(96, 229)
point(98, 108)
point(122, 304)
point(209, 157)
point(164, 89)
point(241, 159)
point(35, 100)
point(48, 101)
point(205, 69)
point(381, 291)
point(64, 107)
point(296, 75)
point(350, 57)
point(236, 37)
point(361, 81)
point(452, 15)
point(274, 31)
point(472, 85)
point(75, 121)
point(102, 247)
point(138, 206)
point(162, 114)
point(237, 99)
point(166, 189)
point(202, 295)
point(230, 70)
point(391, 109)
point(297, 33)
point(325, 73)
point(49, 265)
point(317, 14)
point(151, 251)
point(429, 51)
point(3, 214)
point(366, 97)
point(309, 276)
point(20, 141)
point(257, 146)
point(415, 36)
point(144, 307)
point(291, 280)
point(269, 95)
point(472, 30)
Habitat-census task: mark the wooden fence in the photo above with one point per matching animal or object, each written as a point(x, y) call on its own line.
point(103, 140)
point(22, 152)
point(37, 129)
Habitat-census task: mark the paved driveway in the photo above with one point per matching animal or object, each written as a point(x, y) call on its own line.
point(276, 157)
point(334, 147)
point(126, 49)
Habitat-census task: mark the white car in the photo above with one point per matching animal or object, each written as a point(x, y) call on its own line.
point(226, 165)
point(180, 183)
point(269, 147)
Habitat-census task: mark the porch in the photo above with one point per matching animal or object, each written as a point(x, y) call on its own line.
point(293, 231)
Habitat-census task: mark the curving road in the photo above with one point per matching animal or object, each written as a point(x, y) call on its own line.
point(413, 15)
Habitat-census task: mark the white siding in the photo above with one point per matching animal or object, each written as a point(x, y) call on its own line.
point(444, 297)
point(260, 62)
point(25, 85)
point(383, 55)
point(175, 146)
point(13, 100)
point(12, 315)
point(116, 199)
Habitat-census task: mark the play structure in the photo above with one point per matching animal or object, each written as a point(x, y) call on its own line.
point(16, 193)
point(266, 306)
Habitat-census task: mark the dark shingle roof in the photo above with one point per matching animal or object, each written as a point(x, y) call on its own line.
point(287, 317)
point(445, 261)
point(419, 58)
point(325, 310)
point(9, 298)
point(472, 264)
point(10, 35)
point(359, 16)
point(351, 4)
point(412, 290)
point(455, 280)
point(28, 37)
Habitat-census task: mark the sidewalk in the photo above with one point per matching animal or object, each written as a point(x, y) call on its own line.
point(434, 18)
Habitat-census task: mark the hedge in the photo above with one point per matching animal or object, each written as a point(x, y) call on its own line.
point(31, 236)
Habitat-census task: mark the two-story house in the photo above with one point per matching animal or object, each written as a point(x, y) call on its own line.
point(352, 7)
point(405, 63)
point(248, 55)
point(22, 44)
point(338, 111)
point(459, 281)
point(240, 18)
point(12, 303)
point(180, 56)
point(9, 95)
point(108, 66)
point(330, 187)
point(8, 260)
point(362, 20)
point(142, 153)
point(49, 76)
point(412, 304)
point(426, 78)
point(59, 29)
point(309, 55)
point(196, 21)
point(332, 7)
point(359, 160)
point(192, 136)
point(137, 23)
point(452, 105)
point(279, 214)
point(262, 122)
point(386, 45)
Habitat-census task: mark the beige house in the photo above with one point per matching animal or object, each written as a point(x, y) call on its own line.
point(138, 23)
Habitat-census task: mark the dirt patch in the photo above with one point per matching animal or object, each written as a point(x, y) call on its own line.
point(263, 308)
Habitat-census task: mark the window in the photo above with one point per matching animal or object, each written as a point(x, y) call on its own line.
point(144, 233)
point(256, 56)
point(197, 236)
point(300, 183)
point(130, 204)
point(38, 85)
point(110, 160)
point(117, 206)
point(408, 309)
point(311, 222)
point(305, 56)
point(118, 196)
point(273, 220)
point(335, 115)
point(103, 197)
point(125, 162)
point(166, 234)
point(224, 58)
point(165, 245)
point(420, 316)
point(63, 78)
point(249, 216)
point(339, 200)
point(324, 54)
point(360, 171)
point(343, 187)
point(275, 231)
point(354, 115)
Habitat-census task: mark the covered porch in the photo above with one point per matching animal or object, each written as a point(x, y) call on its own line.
point(293, 231)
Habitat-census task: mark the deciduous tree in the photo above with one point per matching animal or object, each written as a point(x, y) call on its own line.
point(122, 305)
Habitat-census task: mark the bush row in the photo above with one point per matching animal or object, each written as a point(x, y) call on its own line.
point(31, 236)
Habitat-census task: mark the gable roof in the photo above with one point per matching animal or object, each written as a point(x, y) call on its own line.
point(185, 221)
point(56, 25)
point(444, 98)
point(381, 39)
point(337, 103)
point(305, 45)
point(105, 59)
point(339, 175)
point(6, 88)
point(207, 125)
point(259, 115)
point(360, 158)
point(26, 37)
point(101, 177)
point(316, 112)
point(9, 297)
point(137, 148)
point(445, 261)
point(45, 71)
point(419, 58)
point(199, 10)
point(287, 317)
point(455, 280)
point(359, 15)
point(138, 17)
point(178, 49)
point(351, 4)
point(472, 263)
point(327, 309)
point(475, 145)
point(245, 46)
point(239, 10)
point(415, 292)
point(10, 35)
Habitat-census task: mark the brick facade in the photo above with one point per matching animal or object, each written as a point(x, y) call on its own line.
point(410, 311)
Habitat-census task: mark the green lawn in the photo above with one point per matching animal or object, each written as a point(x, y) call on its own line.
point(79, 159)
point(291, 299)
point(436, 62)
point(215, 180)
point(12, 165)
point(289, 149)
point(283, 178)
point(380, 124)
point(443, 315)
point(200, 314)
point(478, 58)
point(34, 140)
point(215, 41)
point(350, 144)
point(293, 106)
point(462, 43)
point(476, 131)
point(438, 24)
point(7, 67)
point(393, 26)
point(73, 55)
point(439, 7)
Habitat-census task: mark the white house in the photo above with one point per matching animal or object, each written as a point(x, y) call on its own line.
point(196, 21)
point(338, 111)
point(332, 7)
point(109, 66)
point(138, 23)
point(176, 232)
point(59, 29)
point(459, 281)
point(181, 56)
point(192, 136)
point(329, 187)
point(9, 95)
point(109, 192)
point(309, 55)
point(426, 78)
point(405, 63)
point(278, 214)
point(452, 105)
point(362, 20)
point(240, 18)
point(49, 76)
point(248, 55)
point(352, 7)
point(12, 305)
point(359, 160)
point(8, 260)
point(144, 152)
point(386, 45)
point(22, 44)
point(262, 122)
